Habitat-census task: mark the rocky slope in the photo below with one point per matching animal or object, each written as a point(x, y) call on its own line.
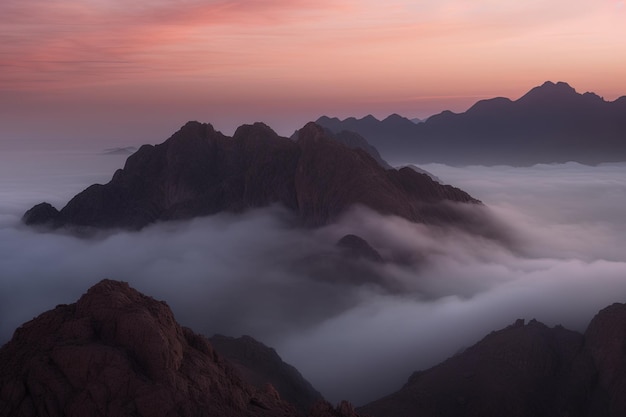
point(199, 171)
point(551, 123)
point(524, 370)
point(116, 352)
point(259, 365)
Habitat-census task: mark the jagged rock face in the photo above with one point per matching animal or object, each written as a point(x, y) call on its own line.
point(117, 352)
point(523, 370)
point(199, 171)
point(259, 365)
point(330, 178)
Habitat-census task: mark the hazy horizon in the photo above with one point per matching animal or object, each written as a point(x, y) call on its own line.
point(76, 71)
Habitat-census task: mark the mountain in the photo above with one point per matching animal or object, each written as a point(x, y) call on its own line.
point(259, 365)
point(551, 123)
point(117, 352)
point(199, 171)
point(524, 370)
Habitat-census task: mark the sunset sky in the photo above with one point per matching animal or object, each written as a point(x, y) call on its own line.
point(126, 72)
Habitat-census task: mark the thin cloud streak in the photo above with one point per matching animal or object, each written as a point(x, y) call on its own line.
point(103, 42)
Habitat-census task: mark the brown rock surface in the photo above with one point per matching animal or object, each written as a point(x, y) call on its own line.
point(199, 171)
point(117, 352)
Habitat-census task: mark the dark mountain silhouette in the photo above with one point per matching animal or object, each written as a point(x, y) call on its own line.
point(117, 352)
point(199, 172)
point(551, 123)
point(524, 370)
point(356, 247)
point(259, 365)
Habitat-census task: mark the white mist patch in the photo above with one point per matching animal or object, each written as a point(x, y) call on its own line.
point(355, 338)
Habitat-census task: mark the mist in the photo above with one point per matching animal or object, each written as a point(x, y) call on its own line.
point(355, 329)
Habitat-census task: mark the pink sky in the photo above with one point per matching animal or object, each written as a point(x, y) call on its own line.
point(120, 71)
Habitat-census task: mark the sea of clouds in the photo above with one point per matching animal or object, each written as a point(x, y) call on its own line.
point(353, 328)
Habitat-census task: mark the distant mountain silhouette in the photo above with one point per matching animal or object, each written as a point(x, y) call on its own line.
point(117, 352)
point(199, 172)
point(524, 370)
point(551, 123)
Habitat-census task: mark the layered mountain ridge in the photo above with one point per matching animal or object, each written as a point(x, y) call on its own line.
point(551, 123)
point(199, 171)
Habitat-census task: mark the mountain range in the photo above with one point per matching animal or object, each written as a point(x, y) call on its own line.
point(117, 352)
point(551, 123)
point(199, 171)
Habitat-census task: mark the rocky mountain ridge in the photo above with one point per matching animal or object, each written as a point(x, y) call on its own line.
point(199, 172)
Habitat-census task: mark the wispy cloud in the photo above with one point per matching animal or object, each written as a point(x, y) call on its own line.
point(75, 41)
point(354, 338)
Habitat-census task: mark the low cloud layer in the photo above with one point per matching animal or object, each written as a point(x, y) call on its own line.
point(356, 330)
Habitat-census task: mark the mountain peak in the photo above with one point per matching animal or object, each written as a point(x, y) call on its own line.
point(549, 91)
point(326, 119)
point(394, 116)
point(369, 118)
point(257, 129)
point(118, 350)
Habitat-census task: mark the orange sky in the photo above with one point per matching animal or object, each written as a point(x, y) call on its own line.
point(108, 69)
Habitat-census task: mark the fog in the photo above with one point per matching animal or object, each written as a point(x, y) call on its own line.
point(354, 329)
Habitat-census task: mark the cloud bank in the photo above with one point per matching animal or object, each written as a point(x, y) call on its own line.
point(355, 329)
